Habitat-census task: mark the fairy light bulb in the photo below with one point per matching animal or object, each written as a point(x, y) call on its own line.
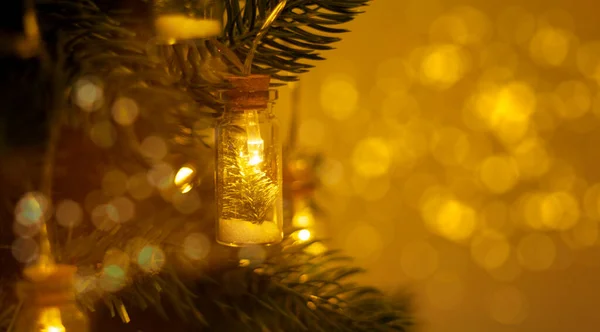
point(256, 144)
point(48, 301)
point(50, 320)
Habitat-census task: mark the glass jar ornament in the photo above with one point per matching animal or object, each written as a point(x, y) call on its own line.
point(180, 20)
point(248, 165)
point(48, 301)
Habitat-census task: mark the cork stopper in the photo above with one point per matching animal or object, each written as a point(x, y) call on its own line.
point(248, 92)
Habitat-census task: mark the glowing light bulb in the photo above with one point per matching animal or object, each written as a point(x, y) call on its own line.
point(50, 321)
point(256, 145)
point(183, 179)
point(304, 235)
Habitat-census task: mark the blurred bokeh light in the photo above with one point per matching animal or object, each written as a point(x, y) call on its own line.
point(460, 144)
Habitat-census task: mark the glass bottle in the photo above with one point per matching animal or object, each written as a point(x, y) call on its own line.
point(249, 165)
point(178, 20)
point(48, 301)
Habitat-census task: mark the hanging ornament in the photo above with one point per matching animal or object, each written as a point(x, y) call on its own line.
point(48, 301)
point(19, 31)
point(249, 165)
point(177, 20)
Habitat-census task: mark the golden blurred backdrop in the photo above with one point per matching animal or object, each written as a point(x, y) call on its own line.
point(460, 143)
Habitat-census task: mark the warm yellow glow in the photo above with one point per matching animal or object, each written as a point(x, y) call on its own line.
point(183, 176)
point(304, 218)
point(50, 320)
point(443, 66)
point(371, 157)
point(255, 151)
point(256, 145)
point(499, 174)
point(339, 98)
point(304, 235)
point(550, 46)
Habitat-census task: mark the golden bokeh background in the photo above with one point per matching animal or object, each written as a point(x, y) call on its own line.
point(461, 144)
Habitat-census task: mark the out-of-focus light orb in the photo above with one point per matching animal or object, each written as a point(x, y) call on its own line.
point(550, 46)
point(154, 147)
point(125, 111)
point(371, 157)
point(304, 235)
point(532, 158)
point(105, 217)
point(462, 25)
point(339, 97)
point(124, 207)
point(588, 60)
point(69, 213)
point(449, 146)
point(490, 250)
point(394, 76)
point(508, 306)
point(161, 176)
point(398, 108)
point(443, 65)
point(103, 134)
point(151, 259)
point(25, 250)
point(551, 211)
point(303, 218)
point(455, 220)
point(419, 260)
point(447, 216)
point(311, 133)
point(88, 94)
point(575, 99)
point(196, 246)
point(114, 183)
point(186, 203)
point(536, 252)
point(184, 177)
point(559, 210)
point(139, 187)
point(31, 209)
point(364, 242)
point(113, 278)
point(445, 290)
point(499, 174)
point(506, 110)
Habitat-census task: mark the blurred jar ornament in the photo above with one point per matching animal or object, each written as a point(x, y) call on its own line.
point(249, 165)
point(178, 20)
point(48, 301)
point(19, 31)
